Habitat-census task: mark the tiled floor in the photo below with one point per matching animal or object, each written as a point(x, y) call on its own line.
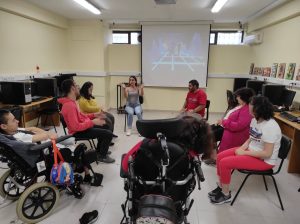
point(254, 204)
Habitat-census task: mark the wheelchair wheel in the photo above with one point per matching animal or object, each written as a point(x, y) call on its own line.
point(9, 189)
point(37, 202)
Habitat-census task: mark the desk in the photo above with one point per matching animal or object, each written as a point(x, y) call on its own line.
point(30, 111)
point(292, 130)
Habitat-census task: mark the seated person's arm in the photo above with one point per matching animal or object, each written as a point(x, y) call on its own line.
point(183, 107)
point(264, 154)
point(141, 90)
point(39, 135)
point(242, 122)
point(197, 109)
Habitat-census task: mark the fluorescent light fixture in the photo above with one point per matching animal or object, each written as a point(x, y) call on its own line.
point(88, 6)
point(218, 5)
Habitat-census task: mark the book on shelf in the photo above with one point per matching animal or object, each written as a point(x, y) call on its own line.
point(297, 77)
point(281, 71)
point(251, 69)
point(274, 70)
point(267, 71)
point(290, 71)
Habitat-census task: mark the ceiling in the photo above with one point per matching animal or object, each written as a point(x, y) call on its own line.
point(132, 11)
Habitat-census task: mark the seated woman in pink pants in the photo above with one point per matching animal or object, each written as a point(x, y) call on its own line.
point(259, 152)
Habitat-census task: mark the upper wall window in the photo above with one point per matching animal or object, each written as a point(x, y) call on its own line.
point(126, 37)
point(226, 37)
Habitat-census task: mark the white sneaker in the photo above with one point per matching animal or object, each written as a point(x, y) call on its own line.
point(128, 133)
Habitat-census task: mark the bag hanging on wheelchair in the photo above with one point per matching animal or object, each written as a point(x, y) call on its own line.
point(62, 172)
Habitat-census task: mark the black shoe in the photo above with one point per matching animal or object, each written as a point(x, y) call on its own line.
point(111, 144)
point(115, 136)
point(214, 192)
point(221, 198)
point(89, 217)
point(97, 179)
point(76, 191)
point(108, 153)
point(87, 179)
point(106, 159)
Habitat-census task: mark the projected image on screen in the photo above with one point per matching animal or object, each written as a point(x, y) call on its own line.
point(173, 55)
point(175, 50)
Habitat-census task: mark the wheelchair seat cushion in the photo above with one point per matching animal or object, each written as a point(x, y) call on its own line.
point(148, 160)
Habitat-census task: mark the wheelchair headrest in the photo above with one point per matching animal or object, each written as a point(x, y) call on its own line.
point(171, 128)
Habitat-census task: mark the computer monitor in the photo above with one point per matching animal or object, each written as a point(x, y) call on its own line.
point(273, 92)
point(256, 85)
point(60, 78)
point(239, 83)
point(46, 87)
point(287, 97)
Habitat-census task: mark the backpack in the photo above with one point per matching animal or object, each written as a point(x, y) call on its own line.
point(62, 172)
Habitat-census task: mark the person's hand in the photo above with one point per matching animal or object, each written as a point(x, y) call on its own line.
point(191, 111)
point(99, 115)
point(98, 121)
point(240, 151)
point(52, 135)
point(123, 85)
point(219, 122)
point(141, 86)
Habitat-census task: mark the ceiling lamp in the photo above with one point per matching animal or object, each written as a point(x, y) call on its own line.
point(218, 5)
point(88, 6)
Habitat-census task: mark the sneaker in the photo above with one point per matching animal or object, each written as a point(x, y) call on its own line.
point(214, 192)
point(111, 144)
point(108, 153)
point(89, 217)
point(115, 136)
point(106, 159)
point(221, 198)
point(87, 179)
point(128, 133)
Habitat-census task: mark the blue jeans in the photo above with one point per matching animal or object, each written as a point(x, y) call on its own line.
point(131, 111)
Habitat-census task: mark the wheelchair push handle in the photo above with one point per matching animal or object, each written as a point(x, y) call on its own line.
point(199, 172)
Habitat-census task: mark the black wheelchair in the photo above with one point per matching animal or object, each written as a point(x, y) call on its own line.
point(161, 175)
point(28, 178)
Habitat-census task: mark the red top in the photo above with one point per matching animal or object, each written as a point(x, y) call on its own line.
point(195, 99)
point(75, 120)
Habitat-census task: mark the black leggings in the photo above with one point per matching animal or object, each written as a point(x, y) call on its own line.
point(217, 131)
point(103, 136)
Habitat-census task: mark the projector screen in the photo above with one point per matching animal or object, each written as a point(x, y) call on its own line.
point(172, 55)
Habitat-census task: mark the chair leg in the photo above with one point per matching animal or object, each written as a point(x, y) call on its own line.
point(277, 193)
point(53, 123)
point(94, 144)
point(237, 193)
point(125, 124)
point(90, 143)
point(232, 171)
point(38, 121)
point(265, 182)
point(46, 119)
point(299, 189)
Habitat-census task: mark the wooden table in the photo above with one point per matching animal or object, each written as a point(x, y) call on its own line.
point(291, 130)
point(30, 111)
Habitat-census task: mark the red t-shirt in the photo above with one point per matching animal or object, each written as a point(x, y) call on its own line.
point(196, 99)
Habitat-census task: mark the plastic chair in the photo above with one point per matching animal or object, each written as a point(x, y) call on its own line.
point(283, 152)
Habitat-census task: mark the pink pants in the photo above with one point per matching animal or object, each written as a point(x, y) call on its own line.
point(227, 161)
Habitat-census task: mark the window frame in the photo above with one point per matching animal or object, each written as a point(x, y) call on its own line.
point(128, 32)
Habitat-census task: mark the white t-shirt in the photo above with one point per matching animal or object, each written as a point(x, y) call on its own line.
point(25, 137)
point(265, 132)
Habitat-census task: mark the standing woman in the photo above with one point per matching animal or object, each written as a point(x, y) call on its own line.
point(133, 105)
point(88, 104)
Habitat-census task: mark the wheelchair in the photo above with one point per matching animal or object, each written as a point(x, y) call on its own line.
point(28, 179)
point(161, 175)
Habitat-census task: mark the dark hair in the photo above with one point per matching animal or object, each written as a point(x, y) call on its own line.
point(194, 82)
point(84, 91)
point(197, 134)
point(67, 85)
point(245, 94)
point(262, 107)
point(134, 79)
point(3, 117)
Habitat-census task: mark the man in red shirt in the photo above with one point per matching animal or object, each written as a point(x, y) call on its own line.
point(195, 101)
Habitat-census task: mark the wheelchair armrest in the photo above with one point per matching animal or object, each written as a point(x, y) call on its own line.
point(49, 143)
